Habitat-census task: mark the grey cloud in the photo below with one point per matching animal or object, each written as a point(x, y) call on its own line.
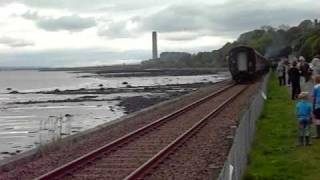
point(14, 42)
point(65, 4)
point(119, 29)
point(4, 2)
point(230, 18)
point(176, 18)
point(226, 19)
point(30, 15)
point(70, 23)
point(114, 30)
point(181, 36)
point(92, 5)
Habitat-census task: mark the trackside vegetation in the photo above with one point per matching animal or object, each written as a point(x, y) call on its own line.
point(274, 153)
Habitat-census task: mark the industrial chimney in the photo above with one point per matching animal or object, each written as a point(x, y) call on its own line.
point(154, 45)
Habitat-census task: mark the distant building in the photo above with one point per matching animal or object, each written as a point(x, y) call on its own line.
point(154, 45)
point(174, 56)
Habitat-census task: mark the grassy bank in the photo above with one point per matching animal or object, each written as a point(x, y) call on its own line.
point(274, 154)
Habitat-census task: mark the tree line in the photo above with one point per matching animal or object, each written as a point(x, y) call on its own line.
point(272, 42)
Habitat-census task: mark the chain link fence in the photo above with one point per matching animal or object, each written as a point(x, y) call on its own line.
point(237, 160)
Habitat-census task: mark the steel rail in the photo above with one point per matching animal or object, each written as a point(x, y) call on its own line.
point(68, 168)
point(152, 163)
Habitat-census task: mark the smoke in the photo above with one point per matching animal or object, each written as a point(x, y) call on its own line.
point(272, 51)
point(279, 46)
point(278, 52)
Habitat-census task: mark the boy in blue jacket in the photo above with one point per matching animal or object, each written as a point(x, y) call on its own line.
point(304, 110)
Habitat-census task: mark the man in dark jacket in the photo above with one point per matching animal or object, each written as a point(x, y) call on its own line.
point(294, 76)
point(305, 71)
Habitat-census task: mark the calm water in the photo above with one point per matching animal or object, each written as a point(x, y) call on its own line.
point(21, 126)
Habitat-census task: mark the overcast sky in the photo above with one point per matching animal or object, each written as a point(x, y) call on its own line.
point(98, 32)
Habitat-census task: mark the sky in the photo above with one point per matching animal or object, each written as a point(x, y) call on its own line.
point(66, 33)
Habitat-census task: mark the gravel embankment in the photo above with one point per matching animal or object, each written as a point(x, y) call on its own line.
point(210, 146)
point(119, 164)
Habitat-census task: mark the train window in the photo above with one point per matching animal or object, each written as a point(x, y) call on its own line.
point(242, 61)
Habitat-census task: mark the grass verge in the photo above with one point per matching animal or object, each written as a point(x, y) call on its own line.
point(274, 154)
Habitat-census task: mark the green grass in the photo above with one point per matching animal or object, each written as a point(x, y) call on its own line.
point(274, 153)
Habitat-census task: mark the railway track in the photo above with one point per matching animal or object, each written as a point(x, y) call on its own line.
point(134, 155)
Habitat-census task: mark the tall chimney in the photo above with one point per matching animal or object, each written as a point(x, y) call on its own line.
point(154, 45)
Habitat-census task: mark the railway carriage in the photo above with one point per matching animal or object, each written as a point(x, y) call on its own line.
point(246, 64)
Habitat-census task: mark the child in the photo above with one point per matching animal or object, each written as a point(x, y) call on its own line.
point(304, 110)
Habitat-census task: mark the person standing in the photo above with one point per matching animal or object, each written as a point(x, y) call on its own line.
point(286, 66)
point(294, 76)
point(304, 111)
point(281, 73)
point(316, 105)
point(316, 64)
point(305, 69)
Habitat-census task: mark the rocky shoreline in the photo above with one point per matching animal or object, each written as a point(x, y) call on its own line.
point(130, 104)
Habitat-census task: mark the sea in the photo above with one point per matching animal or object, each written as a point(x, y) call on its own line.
point(27, 126)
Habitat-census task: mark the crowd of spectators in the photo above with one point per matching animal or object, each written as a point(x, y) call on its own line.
point(308, 104)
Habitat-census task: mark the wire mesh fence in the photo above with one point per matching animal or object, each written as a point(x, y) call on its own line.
point(237, 160)
point(54, 128)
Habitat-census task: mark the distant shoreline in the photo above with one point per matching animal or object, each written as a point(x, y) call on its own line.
point(127, 71)
point(137, 71)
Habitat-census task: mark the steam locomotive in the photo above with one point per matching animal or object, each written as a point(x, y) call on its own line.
point(246, 64)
